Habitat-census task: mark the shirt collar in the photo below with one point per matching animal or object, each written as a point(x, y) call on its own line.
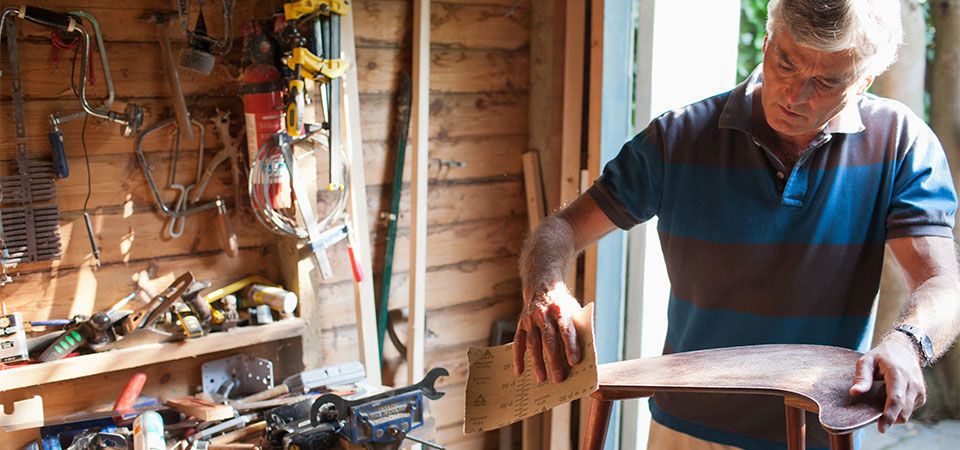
point(738, 111)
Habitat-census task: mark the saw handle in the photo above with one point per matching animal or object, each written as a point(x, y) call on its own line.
point(47, 18)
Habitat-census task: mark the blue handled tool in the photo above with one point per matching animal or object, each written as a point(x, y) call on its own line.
point(56, 147)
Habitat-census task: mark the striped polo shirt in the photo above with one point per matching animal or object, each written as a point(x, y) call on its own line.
point(756, 255)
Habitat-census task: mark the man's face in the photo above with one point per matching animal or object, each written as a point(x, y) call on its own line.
point(803, 88)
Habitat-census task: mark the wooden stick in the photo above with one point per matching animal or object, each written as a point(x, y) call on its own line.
point(366, 303)
point(533, 187)
point(233, 447)
point(244, 406)
point(236, 435)
point(416, 337)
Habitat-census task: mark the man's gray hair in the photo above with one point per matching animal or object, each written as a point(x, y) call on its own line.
point(871, 28)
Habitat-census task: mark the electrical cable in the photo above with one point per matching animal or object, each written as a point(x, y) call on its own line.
point(86, 158)
point(86, 216)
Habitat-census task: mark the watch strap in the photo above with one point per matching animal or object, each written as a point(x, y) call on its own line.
point(921, 340)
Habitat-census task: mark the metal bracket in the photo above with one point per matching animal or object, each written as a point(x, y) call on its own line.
point(238, 375)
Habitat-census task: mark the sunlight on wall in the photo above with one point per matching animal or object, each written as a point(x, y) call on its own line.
point(84, 295)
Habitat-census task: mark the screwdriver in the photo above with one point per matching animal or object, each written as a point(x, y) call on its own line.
point(56, 147)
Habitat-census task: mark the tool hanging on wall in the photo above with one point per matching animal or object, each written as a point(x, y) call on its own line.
point(55, 135)
point(323, 65)
point(187, 201)
point(170, 68)
point(175, 227)
point(391, 216)
point(202, 48)
point(29, 215)
point(130, 121)
point(183, 210)
point(132, 116)
point(231, 149)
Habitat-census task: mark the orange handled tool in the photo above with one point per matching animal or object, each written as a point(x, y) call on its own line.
point(227, 236)
point(130, 392)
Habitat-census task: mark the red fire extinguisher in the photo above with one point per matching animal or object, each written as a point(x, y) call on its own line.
point(263, 105)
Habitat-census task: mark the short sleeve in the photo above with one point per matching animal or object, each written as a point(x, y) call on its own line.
point(924, 201)
point(630, 187)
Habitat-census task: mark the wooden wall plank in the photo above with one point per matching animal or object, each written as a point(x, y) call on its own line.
point(387, 23)
point(449, 286)
point(452, 115)
point(483, 157)
point(451, 70)
point(461, 202)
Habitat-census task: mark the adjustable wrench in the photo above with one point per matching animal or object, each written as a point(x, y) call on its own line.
point(342, 407)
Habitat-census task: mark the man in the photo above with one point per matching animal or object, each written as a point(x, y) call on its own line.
point(774, 201)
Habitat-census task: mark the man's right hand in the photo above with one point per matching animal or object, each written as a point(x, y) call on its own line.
point(546, 328)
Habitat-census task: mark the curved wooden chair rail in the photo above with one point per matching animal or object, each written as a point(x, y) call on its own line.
point(812, 378)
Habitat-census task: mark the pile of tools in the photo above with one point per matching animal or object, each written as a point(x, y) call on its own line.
point(326, 408)
point(180, 312)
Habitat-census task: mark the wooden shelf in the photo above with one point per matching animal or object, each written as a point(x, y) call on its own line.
point(96, 363)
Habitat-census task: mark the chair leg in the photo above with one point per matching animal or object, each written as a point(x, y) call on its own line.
point(841, 441)
point(597, 423)
point(796, 429)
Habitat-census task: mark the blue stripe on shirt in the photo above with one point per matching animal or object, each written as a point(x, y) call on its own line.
point(742, 206)
point(692, 328)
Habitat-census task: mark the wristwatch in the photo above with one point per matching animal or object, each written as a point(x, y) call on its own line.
point(922, 341)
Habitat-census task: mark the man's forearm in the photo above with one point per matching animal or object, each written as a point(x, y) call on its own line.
point(546, 255)
point(929, 266)
point(934, 307)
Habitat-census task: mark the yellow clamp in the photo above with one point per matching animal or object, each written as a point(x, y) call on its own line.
point(298, 9)
point(311, 65)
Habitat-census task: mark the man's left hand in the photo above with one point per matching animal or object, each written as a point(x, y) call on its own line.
point(897, 363)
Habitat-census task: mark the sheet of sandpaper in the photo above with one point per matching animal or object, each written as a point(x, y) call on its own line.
point(496, 397)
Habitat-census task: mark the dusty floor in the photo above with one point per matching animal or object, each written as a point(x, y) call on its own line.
point(945, 434)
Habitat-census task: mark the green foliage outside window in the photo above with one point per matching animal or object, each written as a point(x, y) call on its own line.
point(753, 20)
